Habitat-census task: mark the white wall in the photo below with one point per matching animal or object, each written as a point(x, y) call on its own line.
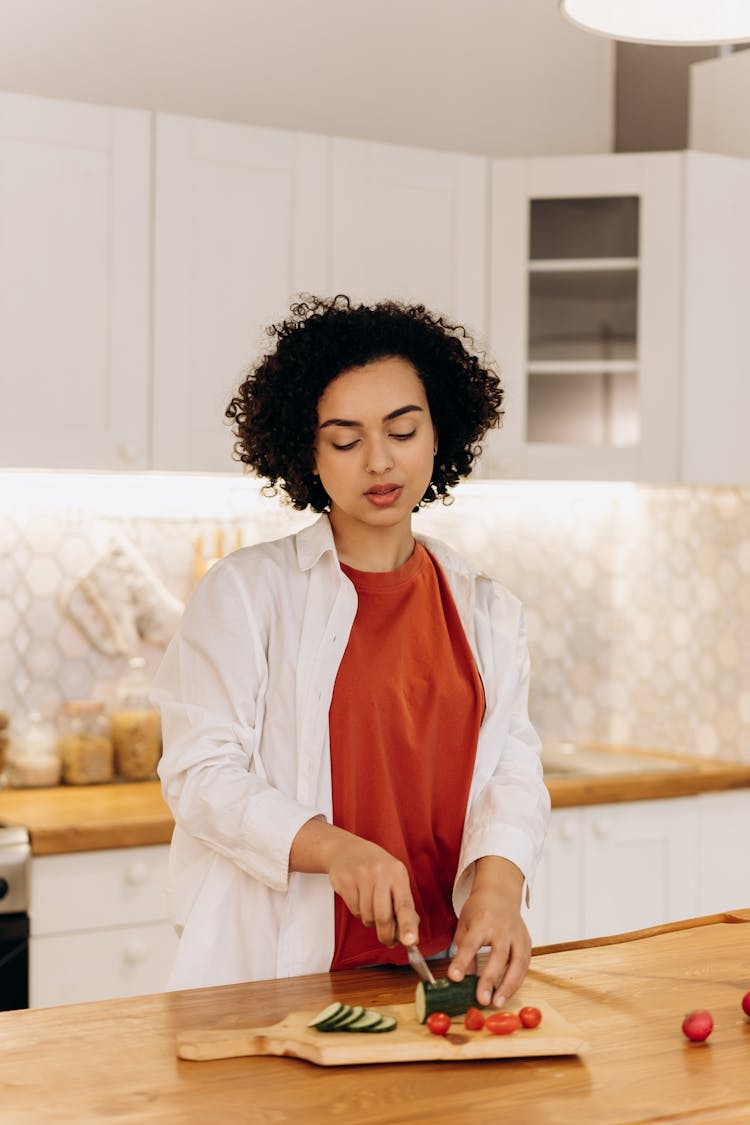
point(499, 77)
point(719, 105)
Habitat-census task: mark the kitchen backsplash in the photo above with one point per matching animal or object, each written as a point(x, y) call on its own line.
point(637, 598)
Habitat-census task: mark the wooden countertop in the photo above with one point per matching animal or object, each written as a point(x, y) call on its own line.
point(129, 814)
point(628, 995)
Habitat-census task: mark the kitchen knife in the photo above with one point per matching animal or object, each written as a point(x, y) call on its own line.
point(416, 960)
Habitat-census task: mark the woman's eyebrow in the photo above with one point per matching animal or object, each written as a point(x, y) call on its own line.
point(388, 417)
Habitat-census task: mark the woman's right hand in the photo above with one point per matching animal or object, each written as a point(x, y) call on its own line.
point(373, 883)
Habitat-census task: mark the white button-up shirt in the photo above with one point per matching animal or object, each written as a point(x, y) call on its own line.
point(244, 691)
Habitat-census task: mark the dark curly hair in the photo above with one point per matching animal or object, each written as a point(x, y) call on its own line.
point(275, 409)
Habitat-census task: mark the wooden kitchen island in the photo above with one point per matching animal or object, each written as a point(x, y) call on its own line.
point(116, 1061)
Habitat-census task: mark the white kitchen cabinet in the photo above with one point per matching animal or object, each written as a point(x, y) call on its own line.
point(618, 317)
point(74, 284)
point(240, 227)
point(608, 869)
point(411, 224)
point(99, 925)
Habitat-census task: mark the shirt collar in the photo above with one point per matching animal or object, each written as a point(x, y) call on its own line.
point(314, 541)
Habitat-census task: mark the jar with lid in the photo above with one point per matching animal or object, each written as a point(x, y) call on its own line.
point(136, 727)
point(85, 742)
point(33, 759)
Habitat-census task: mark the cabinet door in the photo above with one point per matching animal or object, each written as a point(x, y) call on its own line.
point(641, 859)
point(74, 284)
point(724, 871)
point(586, 324)
point(411, 224)
point(105, 964)
point(240, 228)
point(556, 911)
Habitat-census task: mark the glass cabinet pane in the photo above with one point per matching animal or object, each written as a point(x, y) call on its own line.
point(584, 408)
point(584, 227)
point(582, 314)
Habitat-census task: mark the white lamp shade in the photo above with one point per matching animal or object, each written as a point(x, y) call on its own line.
point(696, 22)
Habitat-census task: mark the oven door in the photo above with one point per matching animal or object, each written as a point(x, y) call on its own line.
point(14, 961)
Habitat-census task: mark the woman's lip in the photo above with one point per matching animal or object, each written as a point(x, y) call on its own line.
point(383, 494)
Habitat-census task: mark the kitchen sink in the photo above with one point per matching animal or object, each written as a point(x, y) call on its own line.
point(567, 759)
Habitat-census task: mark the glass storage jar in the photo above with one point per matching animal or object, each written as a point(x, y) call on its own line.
point(33, 759)
point(85, 742)
point(136, 726)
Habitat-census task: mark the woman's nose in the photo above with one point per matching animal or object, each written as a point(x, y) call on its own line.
point(378, 457)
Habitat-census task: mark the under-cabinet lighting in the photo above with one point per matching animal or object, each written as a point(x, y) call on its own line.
point(675, 22)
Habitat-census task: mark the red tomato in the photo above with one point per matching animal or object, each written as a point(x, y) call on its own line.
point(473, 1020)
point(746, 1003)
point(698, 1025)
point(502, 1023)
point(530, 1017)
point(439, 1023)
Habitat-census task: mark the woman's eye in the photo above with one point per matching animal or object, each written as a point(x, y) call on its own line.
point(404, 437)
point(349, 445)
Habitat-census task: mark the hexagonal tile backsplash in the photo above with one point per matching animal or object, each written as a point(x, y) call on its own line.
point(637, 598)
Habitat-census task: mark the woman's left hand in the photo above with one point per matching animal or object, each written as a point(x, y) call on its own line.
point(492, 917)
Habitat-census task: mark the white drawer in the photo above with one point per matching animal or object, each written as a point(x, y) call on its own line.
point(86, 890)
point(100, 965)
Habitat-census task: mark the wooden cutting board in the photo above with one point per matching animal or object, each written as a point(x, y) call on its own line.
point(410, 1041)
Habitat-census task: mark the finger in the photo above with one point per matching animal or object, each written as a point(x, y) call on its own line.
point(492, 978)
point(407, 924)
point(465, 958)
point(512, 978)
point(384, 917)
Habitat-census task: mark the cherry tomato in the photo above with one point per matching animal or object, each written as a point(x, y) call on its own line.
point(746, 1003)
point(502, 1023)
point(698, 1025)
point(439, 1023)
point(530, 1017)
point(473, 1020)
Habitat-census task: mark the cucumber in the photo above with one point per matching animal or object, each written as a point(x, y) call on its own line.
point(452, 997)
point(327, 1014)
point(346, 1017)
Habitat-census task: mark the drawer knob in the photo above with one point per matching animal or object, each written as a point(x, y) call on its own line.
point(135, 951)
point(601, 827)
point(569, 830)
point(136, 873)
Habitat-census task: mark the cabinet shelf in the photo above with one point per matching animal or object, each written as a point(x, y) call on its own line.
point(581, 367)
point(571, 265)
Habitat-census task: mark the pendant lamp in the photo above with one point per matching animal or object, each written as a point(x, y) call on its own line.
point(676, 22)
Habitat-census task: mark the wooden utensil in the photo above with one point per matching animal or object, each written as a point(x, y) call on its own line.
point(410, 1041)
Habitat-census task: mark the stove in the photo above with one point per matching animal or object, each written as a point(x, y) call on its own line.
point(15, 878)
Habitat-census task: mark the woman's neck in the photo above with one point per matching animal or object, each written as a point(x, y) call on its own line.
point(372, 549)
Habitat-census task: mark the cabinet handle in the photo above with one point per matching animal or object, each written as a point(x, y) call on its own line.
point(568, 830)
point(136, 873)
point(601, 827)
point(128, 452)
point(135, 951)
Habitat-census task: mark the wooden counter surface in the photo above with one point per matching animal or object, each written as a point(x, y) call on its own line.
point(91, 817)
point(117, 1061)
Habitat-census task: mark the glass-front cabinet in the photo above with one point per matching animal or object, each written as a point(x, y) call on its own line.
point(585, 293)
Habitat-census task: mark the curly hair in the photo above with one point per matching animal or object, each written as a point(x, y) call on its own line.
point(275, 409)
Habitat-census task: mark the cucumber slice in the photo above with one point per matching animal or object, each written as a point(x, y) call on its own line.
point(344, 1022)
point(335, 1022)
point(452, 997)
point(387, 1023)
point(368, 1021)
point(327, 1014)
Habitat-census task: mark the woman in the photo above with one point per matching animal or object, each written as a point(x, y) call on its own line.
point(347, 750)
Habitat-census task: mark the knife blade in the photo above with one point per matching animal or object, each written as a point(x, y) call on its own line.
point(419, 965)
point(416, 960)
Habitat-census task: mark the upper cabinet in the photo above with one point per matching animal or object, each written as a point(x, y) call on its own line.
point(74, 284)
point(617, 317)
point(240, 227)
point(410, 224)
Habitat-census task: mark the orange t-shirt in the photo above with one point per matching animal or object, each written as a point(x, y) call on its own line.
point(404, 720)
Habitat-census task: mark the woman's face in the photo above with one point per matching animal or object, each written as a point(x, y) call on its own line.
point(375, 443)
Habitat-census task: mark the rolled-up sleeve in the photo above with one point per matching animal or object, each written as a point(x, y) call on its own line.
point(209, 690)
